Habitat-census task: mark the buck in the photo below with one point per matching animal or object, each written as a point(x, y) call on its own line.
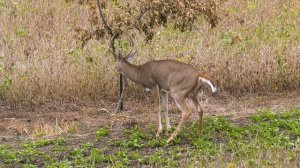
point(163, 77)
point(182, 81)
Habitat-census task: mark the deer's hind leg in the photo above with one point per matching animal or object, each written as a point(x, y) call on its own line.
point(199, 110)
point(186, 112)
point(194, 99)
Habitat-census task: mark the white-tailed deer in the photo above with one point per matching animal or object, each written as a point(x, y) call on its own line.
point(180, 80)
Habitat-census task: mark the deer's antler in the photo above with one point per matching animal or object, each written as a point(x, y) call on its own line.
point(112, 48)
point(132, 44)
point(114, 35)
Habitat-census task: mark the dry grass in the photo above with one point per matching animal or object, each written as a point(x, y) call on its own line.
point(32, 128)
point(255, 48)
point(266, 157)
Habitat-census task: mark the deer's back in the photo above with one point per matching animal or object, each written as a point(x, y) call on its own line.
point(170, 74)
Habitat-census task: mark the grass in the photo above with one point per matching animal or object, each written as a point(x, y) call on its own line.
point(265, 139)
point(254, 48)
point(102, 133)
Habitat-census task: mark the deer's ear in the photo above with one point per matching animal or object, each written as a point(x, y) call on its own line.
point(130, 56)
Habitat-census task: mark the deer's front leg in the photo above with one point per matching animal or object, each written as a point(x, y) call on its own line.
point(156, 97)
point(164, 106)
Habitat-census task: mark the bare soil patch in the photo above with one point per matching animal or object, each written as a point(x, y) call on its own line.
point(80, 121)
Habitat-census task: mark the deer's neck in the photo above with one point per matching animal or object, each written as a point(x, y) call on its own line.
point(131, 71)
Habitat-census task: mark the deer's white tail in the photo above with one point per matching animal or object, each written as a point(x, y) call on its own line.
point(208, 80)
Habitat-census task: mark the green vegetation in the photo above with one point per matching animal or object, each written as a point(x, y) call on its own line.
point(101, 133)
point(41, 143)
point(264, 139)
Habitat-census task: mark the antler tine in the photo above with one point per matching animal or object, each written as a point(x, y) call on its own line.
point(131, 42)
point(111, 45)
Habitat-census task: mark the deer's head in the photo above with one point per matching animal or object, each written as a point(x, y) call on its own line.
point(120, 59)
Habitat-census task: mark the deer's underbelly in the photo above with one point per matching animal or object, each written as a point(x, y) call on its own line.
point(163, 90)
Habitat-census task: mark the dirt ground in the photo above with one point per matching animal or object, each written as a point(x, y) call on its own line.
point(82, 120)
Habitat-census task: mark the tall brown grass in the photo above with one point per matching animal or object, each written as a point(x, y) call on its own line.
point(254, 48)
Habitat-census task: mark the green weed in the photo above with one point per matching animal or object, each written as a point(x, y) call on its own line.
point(7, 155)
point(97, 156)
point(135, 139)
point(44, 142)
point(227, 38)
point(60, 164)
point(101, 133)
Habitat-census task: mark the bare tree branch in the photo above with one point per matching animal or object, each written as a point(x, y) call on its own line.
point(140, 17)
point(122, 90)
point(103, 20)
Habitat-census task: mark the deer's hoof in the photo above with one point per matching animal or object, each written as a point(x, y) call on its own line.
point(167, 132)
point(157, 134)
point(169, 140)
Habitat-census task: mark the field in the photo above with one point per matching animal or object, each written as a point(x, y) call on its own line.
point(261, 131)
point(59, 87)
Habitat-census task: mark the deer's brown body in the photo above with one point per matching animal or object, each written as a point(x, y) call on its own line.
point(168, 75)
